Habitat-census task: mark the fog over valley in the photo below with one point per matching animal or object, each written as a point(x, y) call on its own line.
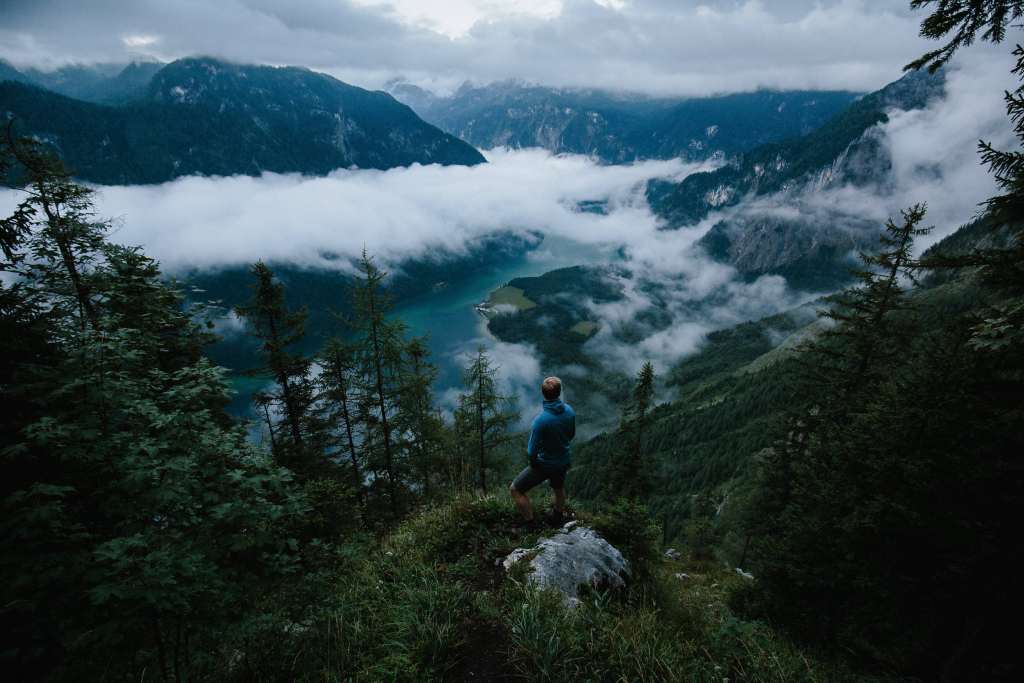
point(208, 224)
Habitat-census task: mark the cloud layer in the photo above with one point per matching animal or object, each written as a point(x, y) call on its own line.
point(405, 213)
point(396, 214)
point(656, 46)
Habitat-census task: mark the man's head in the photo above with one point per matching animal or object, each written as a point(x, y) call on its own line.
point(551, 387)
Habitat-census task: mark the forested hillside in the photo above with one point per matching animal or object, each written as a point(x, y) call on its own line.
point(208, 117)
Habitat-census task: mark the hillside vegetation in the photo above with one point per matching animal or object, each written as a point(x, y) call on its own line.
point(842, 492)
point(201, 116)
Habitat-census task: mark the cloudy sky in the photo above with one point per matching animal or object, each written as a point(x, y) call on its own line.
point(657, 46)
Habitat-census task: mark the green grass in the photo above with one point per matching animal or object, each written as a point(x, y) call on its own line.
point(428, 603)
point(512, 296)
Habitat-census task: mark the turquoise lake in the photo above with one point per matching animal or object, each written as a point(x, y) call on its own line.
point(447, 316)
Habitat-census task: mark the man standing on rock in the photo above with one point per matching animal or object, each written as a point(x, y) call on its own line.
point(552, 431)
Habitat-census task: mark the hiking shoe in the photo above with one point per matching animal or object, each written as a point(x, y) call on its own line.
point(556, 519)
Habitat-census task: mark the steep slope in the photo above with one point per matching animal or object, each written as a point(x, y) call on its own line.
point(841, 150)
point(202, 116)
point(729, 397)
point(768, 224)
point(618, 127)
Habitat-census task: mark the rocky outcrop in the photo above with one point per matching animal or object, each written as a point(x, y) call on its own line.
point(575, 556)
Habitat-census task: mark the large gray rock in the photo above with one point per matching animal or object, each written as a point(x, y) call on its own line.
point(573, 557)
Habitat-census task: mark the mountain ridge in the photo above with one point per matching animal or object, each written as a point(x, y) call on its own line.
point(283, 120)
point(618, 126)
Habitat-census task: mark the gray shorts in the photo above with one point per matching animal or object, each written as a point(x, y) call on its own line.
point(532, 476)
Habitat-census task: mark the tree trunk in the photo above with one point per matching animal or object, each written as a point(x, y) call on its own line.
point(55, 220)
point(291, 410)
point(480, 419)
point(270, 428)
point(382, 404)
point(348, 432)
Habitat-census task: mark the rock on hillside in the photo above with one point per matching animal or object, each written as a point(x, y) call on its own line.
point(575, 556)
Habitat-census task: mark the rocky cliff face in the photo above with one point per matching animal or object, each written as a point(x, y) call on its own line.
point(617, 127)
point(811, 255)
point(843, 150)
point(764, 196)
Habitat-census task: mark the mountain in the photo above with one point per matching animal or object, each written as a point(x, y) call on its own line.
point(842, 150)
point(207, 117)
point(100, 83)
point(811, 246)
point(9, 73)
point(619, 127)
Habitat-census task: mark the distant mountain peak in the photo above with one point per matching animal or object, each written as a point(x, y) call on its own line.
point(203, 115)
point(617, 126)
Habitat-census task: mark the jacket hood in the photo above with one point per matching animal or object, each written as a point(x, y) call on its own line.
point(557, 406)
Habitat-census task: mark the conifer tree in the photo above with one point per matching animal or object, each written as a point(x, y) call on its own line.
point(1001, 261)
point(380, 351)
point(418, 419)
point(851, 350)
point(53, 225)
point(122, 477)
point(630, 477)
point(280, 330)
point(483, 415)
point(338, 383)
point(964, 19)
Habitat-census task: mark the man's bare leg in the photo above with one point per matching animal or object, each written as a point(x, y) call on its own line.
point(559, 501)
point(522, 503)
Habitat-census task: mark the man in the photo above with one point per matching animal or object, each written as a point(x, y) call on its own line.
point(548, 448)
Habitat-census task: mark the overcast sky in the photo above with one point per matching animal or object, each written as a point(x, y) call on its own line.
point(656, 46)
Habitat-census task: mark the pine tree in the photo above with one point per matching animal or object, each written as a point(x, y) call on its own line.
point(122, 476)
point(280, 330)
point(964, 19)
point(482, 414)
point(53, 225)
point(338, 384)
point(630, 475)
point(380, 351)
point(809, 477)
point(853, 527)
point(418, 419)
point(849, 352)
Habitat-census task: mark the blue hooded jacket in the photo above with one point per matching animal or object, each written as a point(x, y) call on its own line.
point(551, 433)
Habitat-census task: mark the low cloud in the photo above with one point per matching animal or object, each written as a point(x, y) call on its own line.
point(198, 222)
point(933, 155)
